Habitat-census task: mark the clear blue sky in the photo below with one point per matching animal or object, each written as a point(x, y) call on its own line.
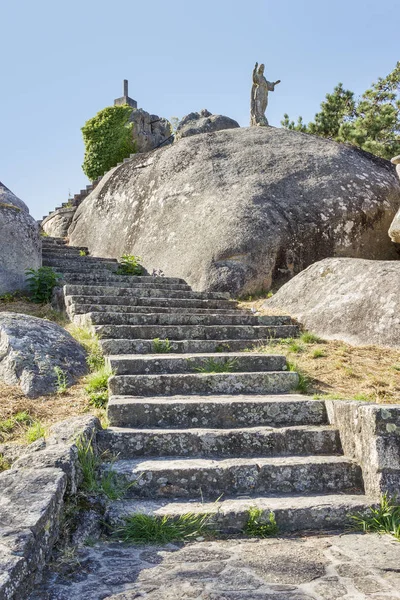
point(61, 62)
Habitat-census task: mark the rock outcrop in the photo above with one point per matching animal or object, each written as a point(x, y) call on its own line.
point(203, 122)
point(148, 131)
point(32, 349)
point(394, 231)
point(353, 300)
point(237, 209)
point(20, 246)
point(58, 222)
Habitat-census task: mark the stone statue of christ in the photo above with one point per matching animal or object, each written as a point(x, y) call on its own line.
point(259, 96)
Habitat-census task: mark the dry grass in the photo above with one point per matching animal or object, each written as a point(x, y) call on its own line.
point(336, 369)
point(43, 311)
point(45, 409)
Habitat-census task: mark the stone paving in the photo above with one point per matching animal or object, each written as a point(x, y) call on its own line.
point(330, 567)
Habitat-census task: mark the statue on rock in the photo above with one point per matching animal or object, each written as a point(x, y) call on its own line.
point(259, 97)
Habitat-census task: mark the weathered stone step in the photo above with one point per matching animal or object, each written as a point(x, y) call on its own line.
point(115, 346)
point(64, 252)
point(131, 364)
point(196, 332)
point(267, 382)
point(71, 263)
point(82, 309)
point(104, 290)
point(198, 478)
point(238, 442)
point(229, 516)
point(215, 412)
point(114, 280)
point(129, 300)
point(172, 319)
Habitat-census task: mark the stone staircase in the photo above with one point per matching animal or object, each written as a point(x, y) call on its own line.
point(190, 440)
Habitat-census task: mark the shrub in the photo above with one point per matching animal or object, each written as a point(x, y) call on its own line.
point(129, 265)
point(41, 283)
point(108, 140)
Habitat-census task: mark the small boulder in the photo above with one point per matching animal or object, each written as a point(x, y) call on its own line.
point(31, 349)
point(203, 122)
point(394, 231)
point(20, 244)
point(148, 131)
point(58, 222)
point(348, 299)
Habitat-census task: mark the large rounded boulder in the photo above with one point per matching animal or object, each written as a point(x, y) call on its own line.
point(20, 244)
point(235, 210)
point(349, 299)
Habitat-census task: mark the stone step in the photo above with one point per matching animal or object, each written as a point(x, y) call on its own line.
point(114, 280)
point(229, 515)
point(121, 346)
point(131, 364)
point(196, 332)
point(58, 249)
point(238, 442)
point(267, 382)
point(110, 279)
point(215, 412)
point(154, 303)
point(104, 290)
point(82, 309)
point(198, 478)
point(72, 262)
point(64, 252)
point(155, 319)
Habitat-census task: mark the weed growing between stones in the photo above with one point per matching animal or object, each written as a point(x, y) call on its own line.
point(214, 366)
point(91, 343)
point(161, 346)
point(383, 519)
point(35, 432)
point(303, 385)
point(41, 283)
point(95, 479)
point(4, 464)
point(129, 265)
point(82, 253)
point(61, 384)
point(145, 529)
point(258, 524)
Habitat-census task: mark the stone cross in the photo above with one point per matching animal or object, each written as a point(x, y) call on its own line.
point(125, 98)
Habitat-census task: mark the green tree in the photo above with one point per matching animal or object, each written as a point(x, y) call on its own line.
point(108, 140)
point(371, 123)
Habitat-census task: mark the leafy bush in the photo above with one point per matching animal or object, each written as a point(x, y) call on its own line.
point(129, 265)
point(108, 140)
point(41, 283)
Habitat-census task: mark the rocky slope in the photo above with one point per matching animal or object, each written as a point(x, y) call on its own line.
point(353, 300)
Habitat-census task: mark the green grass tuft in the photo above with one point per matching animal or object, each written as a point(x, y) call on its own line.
point(98, 381)
point(98, 399)
point(304, 382)
point(383, 519)
point(214, 366)
point(91, 343)
point(318, 353)
point(259, 524)
point(35, 432)
point(161, 346)
point(145, 529)
point(310, 338)
point(62, 384)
